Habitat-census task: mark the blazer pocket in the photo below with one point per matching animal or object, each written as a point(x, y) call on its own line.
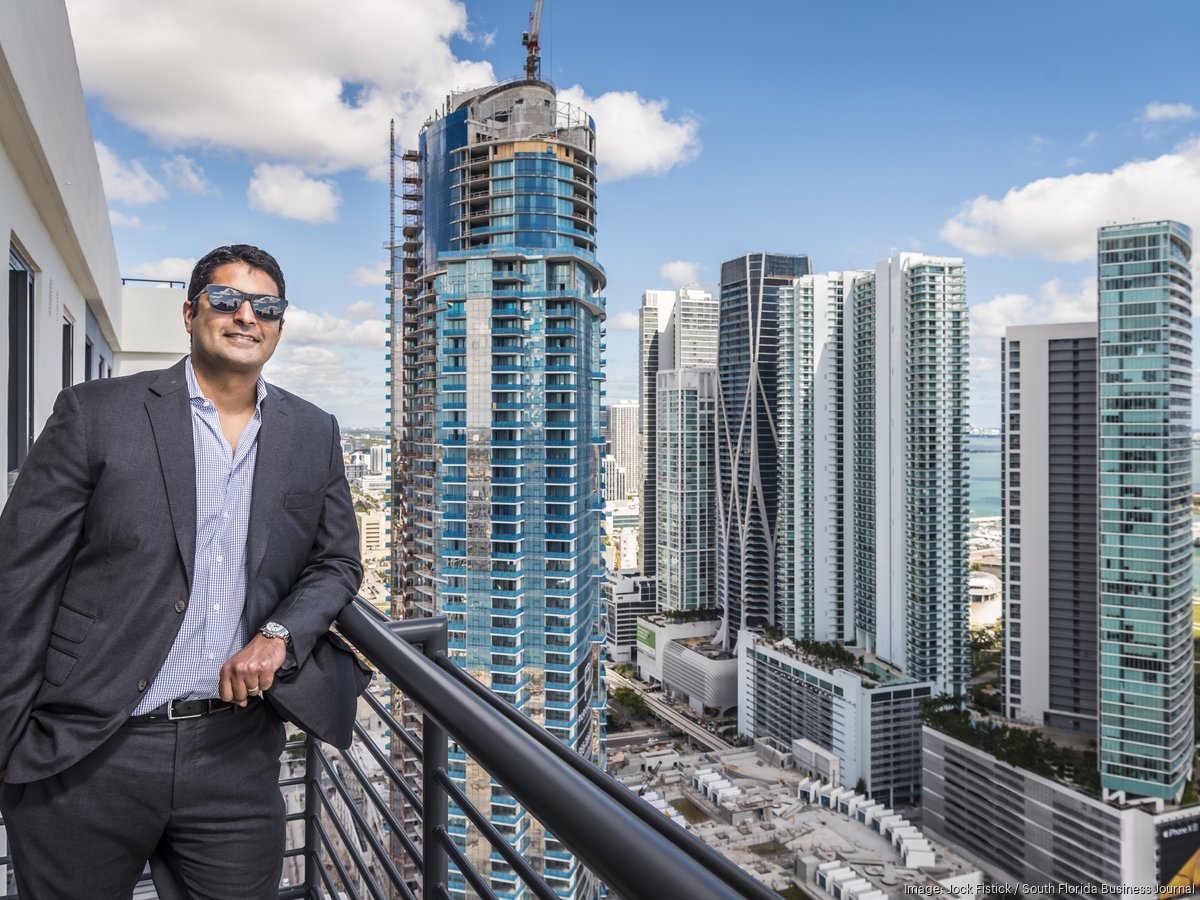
point(71, 624)
point(300, 501)
point(59, 664)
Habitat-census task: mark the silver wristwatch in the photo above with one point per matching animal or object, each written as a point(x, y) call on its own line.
point(275, 630)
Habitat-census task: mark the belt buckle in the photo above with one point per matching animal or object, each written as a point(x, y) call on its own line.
point(171, 717)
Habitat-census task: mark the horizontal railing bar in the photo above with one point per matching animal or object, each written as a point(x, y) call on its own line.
point(684, 840)
point(348, 840)
point(390, 771)
point(632, 857)
point(468, 871)
point(523, 869)
point(413, 853)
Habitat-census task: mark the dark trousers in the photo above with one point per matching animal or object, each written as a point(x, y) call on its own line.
point(199, 798)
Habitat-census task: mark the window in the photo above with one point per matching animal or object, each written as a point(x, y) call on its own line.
point(87, 359)
point(68, 352)
point(20, 359)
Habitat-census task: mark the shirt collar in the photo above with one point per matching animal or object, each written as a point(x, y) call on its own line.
point(195, 393)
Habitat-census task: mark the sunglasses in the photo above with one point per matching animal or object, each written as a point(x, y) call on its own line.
point(229, 300)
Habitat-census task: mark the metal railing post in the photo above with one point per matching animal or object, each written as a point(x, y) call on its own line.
point(312, 809)
point(435, 757)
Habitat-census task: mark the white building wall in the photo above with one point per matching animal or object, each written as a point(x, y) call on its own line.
point(151, 333)
point(53, 211)
point(889, 461)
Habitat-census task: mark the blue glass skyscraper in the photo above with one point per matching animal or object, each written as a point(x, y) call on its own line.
point(1147, 730)
point(501, 507)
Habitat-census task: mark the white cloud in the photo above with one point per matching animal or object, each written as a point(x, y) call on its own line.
point(287, 192)
point(984, 363)
point(337, 381)
point(127, 182)
point(1054, 303)
point(120, 220)
point(1089, 139)
point(680, 273)
point(318, 92)
point(307, 329)
point(634, 135)
point(370, 276)
point(185, 173)
point(361, 310)
point(1168, 112)
point(624, 321)
point(172, 268)
point(1056, 218)
point(1073, 162)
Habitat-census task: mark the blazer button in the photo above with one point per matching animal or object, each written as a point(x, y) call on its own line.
point(180, 605)
point(143, 684)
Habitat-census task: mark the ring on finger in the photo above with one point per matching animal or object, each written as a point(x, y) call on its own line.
point(253, 692)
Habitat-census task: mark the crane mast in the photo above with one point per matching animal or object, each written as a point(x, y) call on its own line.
point(529, 40)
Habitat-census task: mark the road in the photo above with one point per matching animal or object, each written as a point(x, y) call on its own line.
point(668, 714)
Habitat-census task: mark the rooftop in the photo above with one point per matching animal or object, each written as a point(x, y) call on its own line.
point(706, 648)
point(832, 657)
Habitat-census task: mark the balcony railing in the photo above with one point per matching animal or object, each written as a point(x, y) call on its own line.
point(368, 831)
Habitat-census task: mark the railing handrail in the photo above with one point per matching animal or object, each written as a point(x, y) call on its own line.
point(630, 849)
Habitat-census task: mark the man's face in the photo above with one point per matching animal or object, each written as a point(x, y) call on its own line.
point(233, 342)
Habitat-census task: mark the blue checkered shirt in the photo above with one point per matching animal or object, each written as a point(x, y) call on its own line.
point(213, 627)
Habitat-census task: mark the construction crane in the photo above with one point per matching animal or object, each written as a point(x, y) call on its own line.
point(529, 40)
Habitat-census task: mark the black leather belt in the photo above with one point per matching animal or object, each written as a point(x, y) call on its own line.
point(183, 709)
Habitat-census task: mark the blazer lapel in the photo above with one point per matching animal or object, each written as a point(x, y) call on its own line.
point(270, 475)
point(170, 418)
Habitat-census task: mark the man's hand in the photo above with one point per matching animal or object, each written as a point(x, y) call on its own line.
point(252, 669)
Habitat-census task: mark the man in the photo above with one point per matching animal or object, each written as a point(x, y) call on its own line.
point(176, 543)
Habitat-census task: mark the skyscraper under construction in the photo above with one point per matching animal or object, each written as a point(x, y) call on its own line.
point(496, 395)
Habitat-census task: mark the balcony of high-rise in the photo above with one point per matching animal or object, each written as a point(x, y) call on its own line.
point(359, 824)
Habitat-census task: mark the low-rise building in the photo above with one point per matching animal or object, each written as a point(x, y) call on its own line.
point(622, 526)
point(627, 595)
point(851, 704)
point(1030, 830)
point(655, 632)
point(793, 832)
point(986, 599)
point(703, 674)
point(379, 485)
point(372, 535)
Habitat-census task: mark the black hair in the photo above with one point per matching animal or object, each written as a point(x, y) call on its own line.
point(234, 253)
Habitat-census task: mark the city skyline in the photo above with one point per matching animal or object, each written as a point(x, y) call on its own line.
point(1018, 164)
point(830, 438)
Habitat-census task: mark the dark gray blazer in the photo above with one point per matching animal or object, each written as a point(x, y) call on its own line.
point(97, 543)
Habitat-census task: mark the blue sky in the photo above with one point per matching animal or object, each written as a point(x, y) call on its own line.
point(1001, 133)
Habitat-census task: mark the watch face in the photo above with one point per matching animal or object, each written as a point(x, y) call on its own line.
point(274, 630)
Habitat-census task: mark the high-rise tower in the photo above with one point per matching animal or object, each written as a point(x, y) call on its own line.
point(852, 390)
point(1146, 715)
point(1049, 479)
point(747, 439)
point(500, 406)
point(686, 449)
point(908, 540)
point(677, 330)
